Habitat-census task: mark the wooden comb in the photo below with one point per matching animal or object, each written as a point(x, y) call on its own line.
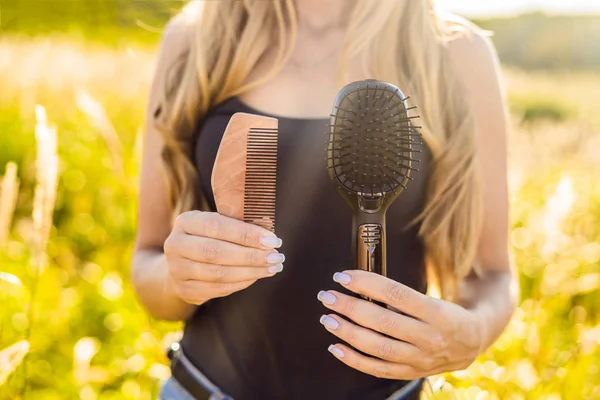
point(244, 174)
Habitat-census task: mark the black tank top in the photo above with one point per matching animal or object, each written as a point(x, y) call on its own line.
point(266, 342)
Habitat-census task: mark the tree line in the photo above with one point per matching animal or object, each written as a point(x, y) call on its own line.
point(532, 41)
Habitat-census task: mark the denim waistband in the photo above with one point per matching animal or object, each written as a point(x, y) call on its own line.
point(176, 392)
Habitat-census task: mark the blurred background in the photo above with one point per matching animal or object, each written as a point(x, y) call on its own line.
point(74, 77)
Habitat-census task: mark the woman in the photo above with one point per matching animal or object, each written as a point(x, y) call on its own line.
point(252, 326)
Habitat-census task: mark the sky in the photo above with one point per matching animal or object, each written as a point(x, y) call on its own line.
point(511, 7)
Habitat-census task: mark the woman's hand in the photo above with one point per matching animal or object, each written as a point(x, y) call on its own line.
point(424, 337)
point(210, 255)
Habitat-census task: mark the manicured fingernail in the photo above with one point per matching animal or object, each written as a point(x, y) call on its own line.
point(276, 268)
point(342, 278)
point(275, 258)
point(329, 322)
point(271, 241)
point(326, 297)
point(336, 351)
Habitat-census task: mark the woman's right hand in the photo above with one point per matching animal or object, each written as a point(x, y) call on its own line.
point(210, 255)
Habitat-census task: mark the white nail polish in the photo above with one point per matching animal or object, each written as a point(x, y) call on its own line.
point(276, 268)
point(270, 241)
point(336, 351)
point(275, 258)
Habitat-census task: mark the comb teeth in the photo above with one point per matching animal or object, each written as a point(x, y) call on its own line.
point(261, 174)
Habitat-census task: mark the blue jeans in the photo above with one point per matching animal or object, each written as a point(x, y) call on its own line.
point(172, 390)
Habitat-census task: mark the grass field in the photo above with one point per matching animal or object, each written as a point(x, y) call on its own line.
point(71, 310)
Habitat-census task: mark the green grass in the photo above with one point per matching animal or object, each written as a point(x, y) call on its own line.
point(90, 339)
point(536, 109)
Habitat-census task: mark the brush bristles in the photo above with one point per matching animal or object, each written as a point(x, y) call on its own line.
point(261, 174)
point(372, 139)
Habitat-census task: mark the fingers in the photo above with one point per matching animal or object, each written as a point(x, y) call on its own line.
point(390, 292)
point(212, 251)
point(197, 292)
point(219, 227)
point(377, 318)
point(387, 369)
point(372, 366)
point(210, 255)
point(371, 342)
point(218, 273)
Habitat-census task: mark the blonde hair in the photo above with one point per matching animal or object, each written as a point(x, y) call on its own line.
point(407, 42)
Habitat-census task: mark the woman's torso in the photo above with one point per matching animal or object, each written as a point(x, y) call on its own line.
point(266, 342)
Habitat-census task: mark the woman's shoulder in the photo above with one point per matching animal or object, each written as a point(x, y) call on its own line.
point(456, 25)
point(176, 39)
point(476, 66)
point(465, 39)
point(173, 50)
point(178, 33)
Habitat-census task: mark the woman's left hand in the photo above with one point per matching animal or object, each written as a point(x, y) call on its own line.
point(419, 337)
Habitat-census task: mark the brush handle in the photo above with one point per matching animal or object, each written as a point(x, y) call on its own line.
point(369, 243)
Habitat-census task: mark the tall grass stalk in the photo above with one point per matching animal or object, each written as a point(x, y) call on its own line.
point(43, 206)
point(96, 114)
point(9, 190)
point(11, 357)
point(45, 189)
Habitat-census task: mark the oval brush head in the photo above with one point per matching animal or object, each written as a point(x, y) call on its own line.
point(371, 140)
point(370, 154)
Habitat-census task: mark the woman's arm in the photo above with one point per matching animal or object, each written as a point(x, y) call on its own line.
point(202, 255)
point(149, 271)
point(492, 295)
point(430, 336)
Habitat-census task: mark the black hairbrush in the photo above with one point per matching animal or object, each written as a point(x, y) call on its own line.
point(369, 155)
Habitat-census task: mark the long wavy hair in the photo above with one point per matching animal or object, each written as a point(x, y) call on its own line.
point(228, 37)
